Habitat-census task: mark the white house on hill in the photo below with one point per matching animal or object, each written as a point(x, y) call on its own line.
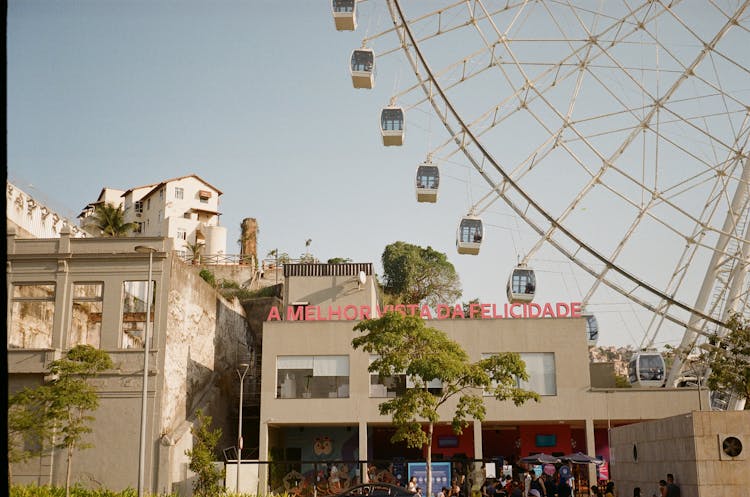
point(185, 209)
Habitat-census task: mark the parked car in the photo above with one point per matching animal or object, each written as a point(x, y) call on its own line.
point(379, 489)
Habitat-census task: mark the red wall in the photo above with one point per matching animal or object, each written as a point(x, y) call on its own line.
point(465, 442)
point(528, 439)
point(579, 435)
point(496, 443)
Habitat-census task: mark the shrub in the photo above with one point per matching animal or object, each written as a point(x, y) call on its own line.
point(208, 277)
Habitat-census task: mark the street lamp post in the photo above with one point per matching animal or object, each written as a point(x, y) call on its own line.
point(245, 367)
point(144, 393)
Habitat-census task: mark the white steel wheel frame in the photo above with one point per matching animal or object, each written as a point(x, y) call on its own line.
point(726, 273)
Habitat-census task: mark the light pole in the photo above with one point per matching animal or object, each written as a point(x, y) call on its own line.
point(245, 367)
point(144, 394)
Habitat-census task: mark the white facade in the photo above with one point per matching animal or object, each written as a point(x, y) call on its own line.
point(33, 219)
point(185, 209)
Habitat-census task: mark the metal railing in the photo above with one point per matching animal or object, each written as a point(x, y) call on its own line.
point(217, 259)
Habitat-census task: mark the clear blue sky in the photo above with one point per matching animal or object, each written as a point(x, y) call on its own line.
point(255, 97)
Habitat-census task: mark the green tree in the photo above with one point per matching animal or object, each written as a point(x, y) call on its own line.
point(405, 345)
point(110, 220)
point(72, 398)
point(416, 275)
point(729, 359)
point(467, 308)
point(307, 258)
point(339, 260)
point(63, 405)
point(29, 426)
point(202, 457)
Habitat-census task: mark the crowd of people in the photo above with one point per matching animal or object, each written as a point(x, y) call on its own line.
point(530, 484)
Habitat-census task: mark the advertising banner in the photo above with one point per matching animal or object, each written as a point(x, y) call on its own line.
point(441, 475)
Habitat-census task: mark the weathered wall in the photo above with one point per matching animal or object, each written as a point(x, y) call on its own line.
point(242, 274)
point(206, 337)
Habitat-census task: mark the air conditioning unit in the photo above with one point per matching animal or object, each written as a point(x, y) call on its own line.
point(732, 447)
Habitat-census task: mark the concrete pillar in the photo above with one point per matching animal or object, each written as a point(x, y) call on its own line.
point(263, 456)
point(591, 449)
point(477, 439)
point(363, 451)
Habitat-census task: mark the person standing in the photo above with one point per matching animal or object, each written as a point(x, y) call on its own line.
point(527, 477)
point(412, 485)
point(516, 491)
point(563, 487)
point(662, 488)
point(538, 485)
point(549, 485)
point(455, 489)
point(610, 492)
point(672, 489)
point(508, 487)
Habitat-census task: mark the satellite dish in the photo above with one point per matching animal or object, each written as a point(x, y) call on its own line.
point(362, 277)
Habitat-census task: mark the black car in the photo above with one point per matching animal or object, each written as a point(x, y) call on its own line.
point(378, 489)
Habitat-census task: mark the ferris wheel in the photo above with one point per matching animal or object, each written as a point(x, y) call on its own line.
point(618, 131)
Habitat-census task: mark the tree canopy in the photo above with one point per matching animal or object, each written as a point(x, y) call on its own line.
point(417, 275)
point(730, 359)
point(61, 408)
point(405, 345)
point(110, 220)
point(202, 456)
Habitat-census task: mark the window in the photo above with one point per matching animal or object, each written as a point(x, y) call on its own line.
point(392, 120)
point(395, 385)
point(134, 313)
point(320, 376)
point(86, 316)
point(204, 200)
point(471, 231)
point(540, 367)
point(138, 207)
point(203, 196)
point(179, 193)
point(181, 234)
point(31, 316)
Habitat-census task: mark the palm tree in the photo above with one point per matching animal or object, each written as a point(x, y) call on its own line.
point(195, 251)
point(110, 220)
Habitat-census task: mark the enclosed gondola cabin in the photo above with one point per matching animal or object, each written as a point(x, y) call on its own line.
point(592, 329)
point(646, 369)
point(521, 285)
point(344, 14)
point(392, 126)
point(428, 180)
point(469, 235)
point(363, 68)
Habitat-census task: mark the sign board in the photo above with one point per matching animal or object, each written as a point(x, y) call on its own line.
point(441, 475)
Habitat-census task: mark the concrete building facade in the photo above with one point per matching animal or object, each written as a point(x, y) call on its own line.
point(30, 217)
point(66, 291)
point(317, 390)
point(708, 452)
